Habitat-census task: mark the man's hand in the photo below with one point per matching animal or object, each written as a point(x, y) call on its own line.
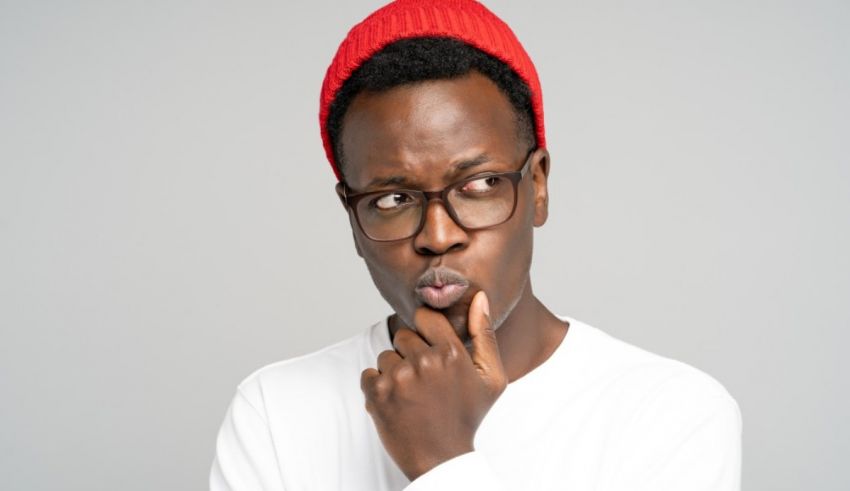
point(428, 397)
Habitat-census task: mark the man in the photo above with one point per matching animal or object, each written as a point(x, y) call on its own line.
point(432, 118)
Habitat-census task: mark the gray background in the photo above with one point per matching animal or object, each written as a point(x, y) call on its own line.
point(168, 225)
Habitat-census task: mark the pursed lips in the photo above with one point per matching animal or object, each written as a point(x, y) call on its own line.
point(440, 288)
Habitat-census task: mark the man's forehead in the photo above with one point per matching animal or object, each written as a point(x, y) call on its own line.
point(443, 125)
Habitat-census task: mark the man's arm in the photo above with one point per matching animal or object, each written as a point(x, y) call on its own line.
point(687, 435)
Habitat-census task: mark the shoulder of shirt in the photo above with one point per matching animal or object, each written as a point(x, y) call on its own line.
point(324, 371)
point(631, 368)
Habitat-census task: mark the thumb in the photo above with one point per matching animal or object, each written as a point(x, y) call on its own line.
point(485, 349)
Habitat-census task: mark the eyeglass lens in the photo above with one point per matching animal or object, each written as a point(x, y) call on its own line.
point(478, 203)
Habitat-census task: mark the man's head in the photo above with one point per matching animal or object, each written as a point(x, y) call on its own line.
point(419, 59)
point(463, 20)
point(423, 114)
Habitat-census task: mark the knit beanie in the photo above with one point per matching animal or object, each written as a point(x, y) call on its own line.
point(464, 20)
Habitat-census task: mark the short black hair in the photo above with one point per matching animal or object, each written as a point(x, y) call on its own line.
point(429, 58)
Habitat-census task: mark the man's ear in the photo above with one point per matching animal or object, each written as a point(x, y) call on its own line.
point(540, 178)
point(340, 192)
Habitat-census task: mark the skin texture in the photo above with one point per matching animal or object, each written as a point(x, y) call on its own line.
point(428, 396)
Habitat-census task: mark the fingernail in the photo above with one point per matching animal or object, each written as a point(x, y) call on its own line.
point(486, 304)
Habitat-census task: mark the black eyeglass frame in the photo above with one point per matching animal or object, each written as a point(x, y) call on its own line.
point(350, 200)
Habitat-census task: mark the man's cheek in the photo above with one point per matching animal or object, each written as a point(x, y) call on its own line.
point(394, 287)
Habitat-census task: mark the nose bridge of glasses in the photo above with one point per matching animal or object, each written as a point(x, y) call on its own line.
point(435, 195)
point(441, 197)
point(438, 215)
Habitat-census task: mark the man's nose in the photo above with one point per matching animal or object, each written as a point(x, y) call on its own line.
point(440, 234)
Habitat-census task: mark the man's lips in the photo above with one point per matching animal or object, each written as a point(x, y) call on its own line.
point(440, 288)
point(441, 297)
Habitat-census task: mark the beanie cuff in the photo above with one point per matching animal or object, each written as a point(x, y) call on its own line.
point(464, 20)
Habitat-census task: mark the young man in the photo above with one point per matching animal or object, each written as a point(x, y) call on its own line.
point(432, 118)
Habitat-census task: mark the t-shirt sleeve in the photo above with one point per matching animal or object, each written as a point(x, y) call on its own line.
point(245, 455)
point(687, 435)
point(466, 472)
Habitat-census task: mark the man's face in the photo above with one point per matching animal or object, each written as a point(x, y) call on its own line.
point(426, 136)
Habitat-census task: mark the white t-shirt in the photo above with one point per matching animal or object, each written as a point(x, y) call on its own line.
point(599, 414)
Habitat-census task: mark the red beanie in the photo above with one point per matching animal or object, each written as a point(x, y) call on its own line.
point(465, 20)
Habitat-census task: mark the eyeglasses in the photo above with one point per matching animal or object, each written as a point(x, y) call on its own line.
point(475, 203)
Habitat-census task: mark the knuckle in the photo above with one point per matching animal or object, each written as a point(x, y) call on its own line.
point(386, 359)
point(427, 361)
point(367, 379)
point(450, 352)
point(380, 388)
point(401, 335)
point(402, 373)
point(373, 385)
point(431, 361)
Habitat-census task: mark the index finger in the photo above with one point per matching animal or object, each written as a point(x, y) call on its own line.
point(435, 328)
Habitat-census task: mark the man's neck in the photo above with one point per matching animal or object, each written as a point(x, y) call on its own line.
point(529, 336)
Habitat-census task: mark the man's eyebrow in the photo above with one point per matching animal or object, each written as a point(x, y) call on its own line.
point(468, 164)
point(387, 181)
point(399, 180)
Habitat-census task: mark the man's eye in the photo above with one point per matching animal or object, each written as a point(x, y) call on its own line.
point(483, 185)
point(392, 201)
